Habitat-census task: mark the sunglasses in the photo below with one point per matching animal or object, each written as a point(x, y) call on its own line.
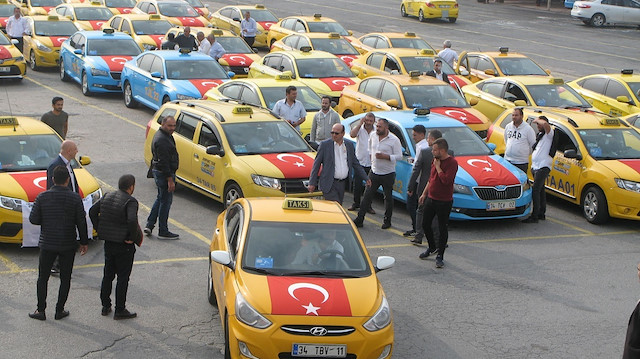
point(335, 133)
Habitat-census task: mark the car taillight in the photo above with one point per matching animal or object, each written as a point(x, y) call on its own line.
point(146, 134)
point(430, 5)
point(584, 6)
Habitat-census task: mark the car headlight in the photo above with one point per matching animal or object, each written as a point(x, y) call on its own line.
point(95, 196)
point(249, 316)
point(458, 188)
point(628, 185)
point(18, 59)
point(98, 72)
point(13, 204)
point(266, 181)
point(42, 47)
point(185, 97)
point(148, 47)
point(381, 319)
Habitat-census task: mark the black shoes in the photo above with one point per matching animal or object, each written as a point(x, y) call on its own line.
point(168, 235)
point(353, 207)
point(531, 219)
point(38, 315)
point(106, 311)
point(148, 231)
point(439, 262)
point(416, 241)
point(542, 217)
point(62, 314)
point(358, 222)
point(386, 225)
point(427, 253)
point(410, 233)
point(371, 211)
point(124, 314)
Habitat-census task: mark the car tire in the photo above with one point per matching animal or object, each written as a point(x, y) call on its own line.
point(421, 16)
point(598, 20)
point(403, 11)
point(227, 349)
point(129, 101)
point(347, 113)
point(594, 205)
point(453, 19)
point(211, 295)
point(231, 192)
point(63, 75)
point(165, 99)
point(32, 61)
point(85, 84)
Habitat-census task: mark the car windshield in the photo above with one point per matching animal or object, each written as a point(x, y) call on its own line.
point(319, 26)
point(519, 66)
point(462, 141)
point(6, 10)
point(320, 68)
point(120, 3)
point(39, 3)
point(309, 99)
point(411, 43)
point(195, 3)
point(263, 15)
point(635, 88)
point(556, 96)
point(195, 69)
point(111, 47)
point(424, 64)
point(4, 40)
point(250, 138)
point(234, 45)
point(93, 13)
point(428, 96)
point(334, 46)
point(177, 9)
point(28, 153)
point(151, 27)
point(304, 249)
point(611, 144)
point(55, 28)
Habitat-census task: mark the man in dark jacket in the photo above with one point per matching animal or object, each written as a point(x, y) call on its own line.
point(59, 212)
point(437, 71)
point(164, 165)
point(115, 217)
point(186, 40)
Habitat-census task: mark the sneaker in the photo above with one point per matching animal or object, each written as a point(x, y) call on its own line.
point(410, 233)
point(439, 262)
point(38, 315)
point(542, 217)
point(61, 314)
point(530, 220)
point(168, 235)
point(55, 269)
point(426, 253)
point(353, 208)
point(124, 314)
point(148, 231)
point(106, 311)
point(386, 225)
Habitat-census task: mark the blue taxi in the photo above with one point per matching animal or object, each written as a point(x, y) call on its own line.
point(486, 185)
point(95, 59)
point(156, 77)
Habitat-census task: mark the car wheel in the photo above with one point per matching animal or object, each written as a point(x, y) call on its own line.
point(403, 11)
point(32, 61)
point(129, 101)
point(453, 19)
point(63, 75)
point(598, 20)
point(85, 84)
point(594, 206)
point(421, 16)
point(347, 113)
point(165, 99)
point(231, 192)
point(211, 293)
point(227, 349)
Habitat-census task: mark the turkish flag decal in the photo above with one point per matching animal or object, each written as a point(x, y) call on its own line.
point(58, 40)
point(457, 113)
point(3, 21)
point(237, 59)
point(635, 164)
point(158, 39)
point(124, 10)
point(190, 21)
point(116, 63)
point(4, 53)
point(348, 59)
point(308, 296)
point(33, 183)
point(487, 171)
point(292, 165)
point(205, 85)
point(266, 24)
point(337, 83)
point(95, 24)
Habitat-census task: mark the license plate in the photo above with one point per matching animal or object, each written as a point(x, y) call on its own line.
point(501, 205)
point(319, 351)
point(445, 6)
point(445, 13)
point(5, 69)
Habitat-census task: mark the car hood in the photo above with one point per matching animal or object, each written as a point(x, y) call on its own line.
point(281, 165)
point(490, 171)
point(191, 21)
point(468, 115)
point(238, 60)
point(155, 40)
point(625, 169)
point(52, 41)
point(331, 86)
point(7, 52)
point(109, 63)
point(28, 185)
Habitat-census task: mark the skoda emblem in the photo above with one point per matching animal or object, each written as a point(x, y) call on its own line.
point(318, 331)
point(501, 187)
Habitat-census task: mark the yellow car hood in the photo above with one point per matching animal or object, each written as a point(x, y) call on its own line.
point(53, 42)
point(9, 51)
point(281, 165)
point(329, 85)
point(625, 169)
point(27, 185)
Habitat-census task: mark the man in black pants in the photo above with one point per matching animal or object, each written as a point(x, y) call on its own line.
point(115, 217)
point(59, 212)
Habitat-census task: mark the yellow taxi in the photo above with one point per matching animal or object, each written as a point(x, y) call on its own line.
point(42, 47)
point(12, 63)
point(86, 16)
point(177, 12)
point(266, 92)
point(597, 165)
point(303, 24)
point(485, 65)
point(292, 278)
point(6, 11)
point(384, 93)
point(332, 43)
point(229, 18)
point(228, 151)
point(325, 73)
point(615, 94)
point(633, 120)
point(36, 7)
point(28, 147)
point(500, 93)
point(430, 9)
point(147, 31)
point(385, 40)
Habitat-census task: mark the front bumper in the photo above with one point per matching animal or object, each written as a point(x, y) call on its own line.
point(469, 207)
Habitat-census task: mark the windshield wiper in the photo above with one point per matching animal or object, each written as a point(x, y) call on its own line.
point(263, 271)
point(323, 273)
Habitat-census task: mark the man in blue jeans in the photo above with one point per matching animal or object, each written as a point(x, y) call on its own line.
point(164, 165)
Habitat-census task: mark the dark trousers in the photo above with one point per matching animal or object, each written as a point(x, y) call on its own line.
point(118, 260)
point(20, 43)
point(358, 188)
point(524, 167)
point(539, 196)
point(162, 205)
point(386, 181)
point(45, 264)
point(441, 209)
point(249, 40)
point(336, 193)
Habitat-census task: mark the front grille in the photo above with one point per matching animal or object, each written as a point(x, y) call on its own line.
point(8, 229)
point(491, 193)
point(239, 70)
point(112, 87)
point(478, 213)
point(289, 356)
point(15, 70)
point(115, 75)
point(332, 330)
point(294, 185)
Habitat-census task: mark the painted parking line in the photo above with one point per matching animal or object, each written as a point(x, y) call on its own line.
point(13, 268)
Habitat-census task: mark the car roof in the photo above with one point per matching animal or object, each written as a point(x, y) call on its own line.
point(141, 17)
point(408, 119)
point(497, 54)
point(574, 118)
point(394, 35)
point(26, 125)
point(528, 79)
point(177, 55)
point(297, 54)
point(317, 35)
point(46, 18)
point(268, 82)
point(206, 30)
point(97, 34)
point(402, 51)
point(408, 80)
point(271, 210)
point(622, 77)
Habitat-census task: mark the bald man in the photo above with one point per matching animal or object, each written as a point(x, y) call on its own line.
point(68, 152)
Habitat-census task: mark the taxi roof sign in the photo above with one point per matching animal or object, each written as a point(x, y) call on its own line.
point(317, 16)
point(305, 49)
point(334, 35)
point(627, 72)
point(556, 81)
point(503, 50)
point(421, 111)
point(154, 17)
point(427, 52)
point(242, 109)
point(96, 3)
point(610, 122)
point(297, 203)
point(8, 121)
point(108, 30)
point(410, 34)
point(217, 32)
point(51, 17)
point(185, 50)
point(284, 77)
point(414, 73)
point(259, 6)
point(4, 1)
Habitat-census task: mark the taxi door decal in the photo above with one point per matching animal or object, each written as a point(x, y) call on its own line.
point(308, 296)
point(33, 183)
point(292, 165)
point(564, 175)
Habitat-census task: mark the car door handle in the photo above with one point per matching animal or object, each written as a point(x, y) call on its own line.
point(358, 99)
point(378, 106)
point(195, 155)
point(217, 230)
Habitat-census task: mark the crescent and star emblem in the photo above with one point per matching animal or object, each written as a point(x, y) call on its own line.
point(37, 182)
point(299, 163)
point(208, 83)
point(236, 57)
point(99, 23)
point(457, 114)
point(310, 308)
point(486, 169)
point(119, 60)
point(345, 58)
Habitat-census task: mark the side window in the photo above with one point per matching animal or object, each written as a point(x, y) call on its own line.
point(396, 131)
point(250, 97)
point(369, 41)
point(291, 41)
point(273, 62)
point(303, 42)
point(484, 64)
point(286, 65)
point(493, 88)
point(81, 42)
point(152, 9)
point(156, 66)
point(375, 60)
point(126, 27)
point(167, 112)
point(226, 12)
point(594, 84)
point(382, 44)
point(288, 24)
point(514, 92)
point(373, 87)
point(115, 23)
point(74, 41)
point(506, 121)
point(207, 137)
point(391, 66)
point(298, 26)
point(389, 91)
point(235, 14)
point(233, 224)
point(232, 91)
point(615, 89)
point(186, 125)
point(473, 61)
point(564, 140)
point(633, 4)
point(144, 6)
point(144, 62)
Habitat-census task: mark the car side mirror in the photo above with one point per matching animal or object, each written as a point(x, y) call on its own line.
point(520, 103)
point(492, 146)
point(350, 32)
point(77, 51)
point(215, 150)
point(572, 154)
point(473, 101)
point(384, 262)
point(355, 72)
point(490, 72)
point(84, 160)
point(71, 17)
point(464, 73)
point(236, 19)
point(313, 145)
point(222, 257)
point(392, 102)
point(231, 74)
point(156, 75)
point(623, 99)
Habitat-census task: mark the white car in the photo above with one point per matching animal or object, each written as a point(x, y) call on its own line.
point(601, 12)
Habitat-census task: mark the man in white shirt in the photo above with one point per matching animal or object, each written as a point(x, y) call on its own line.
point(519, 138)
point(290, 109)
point(17, 27)
point(216, 50)
point(541, 161)
point(362, 133)
point(447, 54)
point(249, 28)
point(205, 45)
point(437, 71)
point(419, 137)
point(385, 149)
point(323, 121)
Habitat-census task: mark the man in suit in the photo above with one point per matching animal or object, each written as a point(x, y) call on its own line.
point(338, 160)
point(437, 71)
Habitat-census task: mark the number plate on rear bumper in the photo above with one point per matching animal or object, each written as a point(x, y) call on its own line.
point(319, 351)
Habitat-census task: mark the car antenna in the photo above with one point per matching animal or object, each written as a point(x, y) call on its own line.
point(605, 71)
point(10, 110)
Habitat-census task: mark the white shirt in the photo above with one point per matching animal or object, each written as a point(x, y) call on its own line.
point(421, 145)
point(216, 50)
point(448, 55)
point(340, 153)
point(291, 113)
point(540, 157)
point(249, 28)
point(70, 170)
point(204, 47)
point(519, 141)
point(389, 145)
point(439, 75)
point(362, 147)
point(16, 27)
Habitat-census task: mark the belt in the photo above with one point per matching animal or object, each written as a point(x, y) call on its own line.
point(339, 180)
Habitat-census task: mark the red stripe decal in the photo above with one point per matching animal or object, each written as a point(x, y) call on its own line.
point(457, 113)
point(58, 40)
point(308, 296)
point(347, 59)
point(33, 183)
point(204, 85)
point(292, 165)
point(237, 59)
point(635, 164)
point(190, 21)
point(47, 8)
point(158, 39)
point(124, 10)
point(116, 63)
point(266, 24)
point(487, 171)
point(337, 83)
point(4, 53)
point(3, 21)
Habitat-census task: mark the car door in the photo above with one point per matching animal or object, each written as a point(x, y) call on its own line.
point(632, 12)
point(613, 90)
point(136, 76)
point(490, 98)
point(592, 89)
point(391, 65)
point(77, 60)
point(484, 68)
point(186, 125)
point(269, 67)
point(403, 166)
point(232, 90)
point(613, 10)
point(371, 67)
point(388, 96)
point(369, 94)
point(208, 170)
point(566, 172)
point(229, 239)
point(224, 20)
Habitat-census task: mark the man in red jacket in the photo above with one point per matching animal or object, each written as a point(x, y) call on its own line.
point(439, 197)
